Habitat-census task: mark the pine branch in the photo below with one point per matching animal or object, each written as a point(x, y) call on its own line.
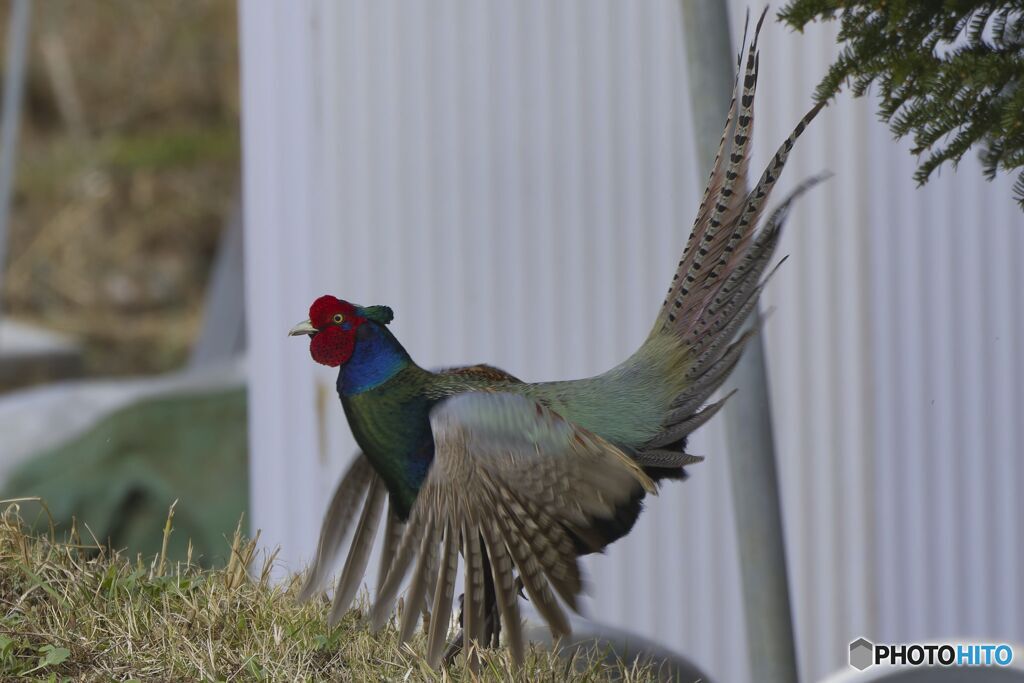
point(949, 74)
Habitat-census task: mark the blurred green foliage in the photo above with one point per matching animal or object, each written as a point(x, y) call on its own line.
point(173, 148)
point(118, 479)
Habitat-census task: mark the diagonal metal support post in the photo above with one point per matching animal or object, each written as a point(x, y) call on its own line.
point(771, 645)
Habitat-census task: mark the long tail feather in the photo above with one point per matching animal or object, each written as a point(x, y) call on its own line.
point(688, 425)
point(713, 303)
point(719, 203)
point(667, 459)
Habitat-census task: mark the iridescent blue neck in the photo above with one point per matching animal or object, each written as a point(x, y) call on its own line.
point(375, 360)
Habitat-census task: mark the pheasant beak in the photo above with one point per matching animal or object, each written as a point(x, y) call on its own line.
point(305, 327)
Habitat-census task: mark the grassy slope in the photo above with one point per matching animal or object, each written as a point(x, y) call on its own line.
point(75, 611)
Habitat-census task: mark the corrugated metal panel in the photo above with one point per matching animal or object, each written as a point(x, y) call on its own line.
point(517, 179)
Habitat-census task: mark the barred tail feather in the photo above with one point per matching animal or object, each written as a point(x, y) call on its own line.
point(720, 276)
point(717, 201)
point(715, 180)
point(713, 359)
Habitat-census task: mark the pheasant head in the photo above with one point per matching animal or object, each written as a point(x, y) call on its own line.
point(332, 327)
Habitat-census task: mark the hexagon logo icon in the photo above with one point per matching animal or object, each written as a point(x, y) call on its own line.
point(861, 654)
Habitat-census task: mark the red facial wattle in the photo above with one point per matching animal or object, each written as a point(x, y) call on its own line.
point(332, 346)
point(336, 322)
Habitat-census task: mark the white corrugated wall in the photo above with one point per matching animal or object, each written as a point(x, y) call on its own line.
point(517, 179)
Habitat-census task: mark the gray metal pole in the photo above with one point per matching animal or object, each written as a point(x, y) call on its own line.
point(755, 488)
point(14, 86)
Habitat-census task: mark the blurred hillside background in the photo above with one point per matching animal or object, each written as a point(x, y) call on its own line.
point(128, 167)
point(126, 183)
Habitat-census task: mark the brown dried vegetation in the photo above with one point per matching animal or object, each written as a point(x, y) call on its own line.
point(128, 166)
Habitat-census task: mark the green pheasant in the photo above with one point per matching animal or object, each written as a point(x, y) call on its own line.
point(521, 479)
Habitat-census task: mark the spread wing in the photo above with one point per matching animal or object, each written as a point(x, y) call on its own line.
point(510, 484)
point(361, 484)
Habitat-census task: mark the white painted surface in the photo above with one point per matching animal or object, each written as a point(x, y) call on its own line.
point(516, 180)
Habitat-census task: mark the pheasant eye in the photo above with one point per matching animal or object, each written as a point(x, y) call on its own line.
point(338, 317)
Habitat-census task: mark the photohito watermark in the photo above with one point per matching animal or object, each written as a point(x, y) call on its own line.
point(864, 653)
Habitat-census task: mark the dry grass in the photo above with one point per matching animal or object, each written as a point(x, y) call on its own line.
point(74, 610)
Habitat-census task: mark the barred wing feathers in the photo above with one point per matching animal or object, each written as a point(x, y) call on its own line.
point(511, 485)
point(512, 481)
point(359, 484)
